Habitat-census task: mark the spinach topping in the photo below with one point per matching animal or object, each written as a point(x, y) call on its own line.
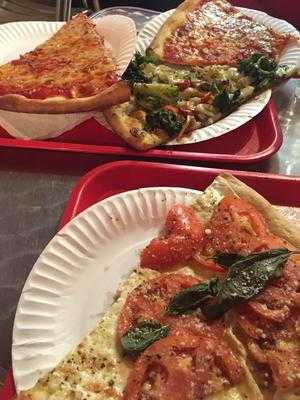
point(191, 298)
point(166, 120)
point(134, 72)
point(225, 101)
point(138, 338)
point(247, 276)
point(262, 70)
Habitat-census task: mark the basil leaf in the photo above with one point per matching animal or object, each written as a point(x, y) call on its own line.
point(230, 259)
point(189, 299)
point(138, 338)
point(227, 259)
point(246, 278)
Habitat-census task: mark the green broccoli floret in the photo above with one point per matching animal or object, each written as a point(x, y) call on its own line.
point(261, 69)
point(166, 120)
point(153, 96)
point(151, 59)
point(134, 72)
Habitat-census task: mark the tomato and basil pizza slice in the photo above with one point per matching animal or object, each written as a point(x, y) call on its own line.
point(247, 235)
point(213, 32)
point(268, 324)
point(259, 285)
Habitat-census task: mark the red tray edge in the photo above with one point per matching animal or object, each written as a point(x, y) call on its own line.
point(71, 208)
point(76, 194)
point(159, 153)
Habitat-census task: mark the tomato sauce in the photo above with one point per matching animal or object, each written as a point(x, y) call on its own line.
point(215, 26)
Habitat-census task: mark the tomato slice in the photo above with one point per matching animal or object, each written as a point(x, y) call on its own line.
point(201, 262)
point(183, 237)
point(182, 366)
point(269, 324)
point(237, 227)
point(148, 301)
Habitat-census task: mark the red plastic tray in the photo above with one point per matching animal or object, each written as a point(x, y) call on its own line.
point(120, 176)
point(257, 140)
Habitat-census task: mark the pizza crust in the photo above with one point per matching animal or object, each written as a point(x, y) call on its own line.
point(131, 129)
point(115, 94)
point(248, 386)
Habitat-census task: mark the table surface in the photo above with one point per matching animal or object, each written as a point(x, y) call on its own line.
point(32, 198)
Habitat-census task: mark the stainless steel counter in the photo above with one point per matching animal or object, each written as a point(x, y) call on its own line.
point(34, 189)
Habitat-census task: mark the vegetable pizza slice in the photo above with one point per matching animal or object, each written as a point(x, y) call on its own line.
point(169, 102)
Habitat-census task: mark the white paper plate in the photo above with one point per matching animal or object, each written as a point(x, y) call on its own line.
point(17, 38)
point(246, 112)
point(74, 280)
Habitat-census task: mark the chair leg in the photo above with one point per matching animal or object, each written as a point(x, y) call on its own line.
point(96, 4)
point(63, 10)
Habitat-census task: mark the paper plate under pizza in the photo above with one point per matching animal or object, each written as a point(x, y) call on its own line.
point(108, 313)
point(290, 56)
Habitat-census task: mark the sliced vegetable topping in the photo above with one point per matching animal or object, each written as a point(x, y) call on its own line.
point(138, 338)
point(134, 72)
point(148, 301)
point(152, 96)
point(182, 239)
point(183, 366)
point(237, 227)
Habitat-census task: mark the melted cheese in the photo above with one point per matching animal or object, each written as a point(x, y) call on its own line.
point(95, 369)
point(214, 32)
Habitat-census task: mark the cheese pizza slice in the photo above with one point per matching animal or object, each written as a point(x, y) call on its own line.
point(209, 32)
point(73, 71)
